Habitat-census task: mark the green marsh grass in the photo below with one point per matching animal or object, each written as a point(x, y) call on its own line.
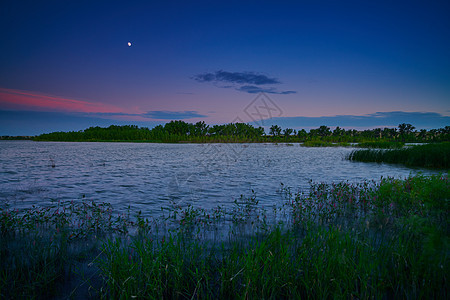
point(386, 239)
point(429, 156)
point(375, 239)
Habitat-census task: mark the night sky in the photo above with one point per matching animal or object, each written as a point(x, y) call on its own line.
point(67, 65)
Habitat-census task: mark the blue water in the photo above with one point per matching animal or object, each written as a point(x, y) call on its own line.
point(147, 177)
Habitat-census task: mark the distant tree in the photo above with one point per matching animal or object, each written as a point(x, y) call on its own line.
point(386, 133)
point(423, 134)
point(433, 134)
point(287, 132)
point(392, 132)
point(338, 131)
point(324, 131)
point(175, 131)
point(445, 134)
point(405, 130)
point(275, 130)
point(259, 131)
point(353, 132)
point(313, 133)
point(446, 130)
point(158, 133)
point(200, 129)
point(302, 134)
point(215, 130)
point(377, 133)
point(180, 128)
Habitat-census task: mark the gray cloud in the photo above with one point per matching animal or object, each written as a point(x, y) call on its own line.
point(172, 115)
point(236, 78)
point(247, 82)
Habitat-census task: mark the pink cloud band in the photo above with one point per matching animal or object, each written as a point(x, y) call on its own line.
point(19, 99)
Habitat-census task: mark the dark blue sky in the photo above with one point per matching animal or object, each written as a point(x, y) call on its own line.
point(208, 61)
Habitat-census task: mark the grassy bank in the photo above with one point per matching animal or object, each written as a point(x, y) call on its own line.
point(429, 156)
point(386, 239)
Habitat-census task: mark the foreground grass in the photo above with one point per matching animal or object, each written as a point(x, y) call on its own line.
point(429, 156)
point(45, 251)
point(386, 239)
point(324, 263)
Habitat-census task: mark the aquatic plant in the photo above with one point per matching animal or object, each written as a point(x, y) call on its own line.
point(429, 156)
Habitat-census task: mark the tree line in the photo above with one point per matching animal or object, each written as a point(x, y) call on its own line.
point(180, 131)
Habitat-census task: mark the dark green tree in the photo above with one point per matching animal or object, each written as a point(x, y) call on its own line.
point(323, 131)
point(287, 132)
point(302, 134)
point(179, 128)
point(338, 131)
point(275, 130)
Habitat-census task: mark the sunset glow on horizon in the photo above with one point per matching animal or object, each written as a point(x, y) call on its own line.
point(33, 100)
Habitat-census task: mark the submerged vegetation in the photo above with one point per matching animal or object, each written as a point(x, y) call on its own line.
point(385, 239)
point(180, 131)
point(429, 156)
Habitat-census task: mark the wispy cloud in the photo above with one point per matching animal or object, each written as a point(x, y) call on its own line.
point(236, 77)
point(12, 98)
point(425, 120)
point(247, 82)
point(172, 115)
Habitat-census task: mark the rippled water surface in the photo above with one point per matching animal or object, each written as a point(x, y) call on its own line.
point(149, 176)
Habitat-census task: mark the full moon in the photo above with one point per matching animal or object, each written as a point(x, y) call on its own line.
point(129, 44)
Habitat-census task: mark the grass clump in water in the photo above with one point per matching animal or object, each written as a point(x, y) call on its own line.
point(429, 156)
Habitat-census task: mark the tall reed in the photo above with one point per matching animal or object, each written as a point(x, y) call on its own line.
point(429, 156)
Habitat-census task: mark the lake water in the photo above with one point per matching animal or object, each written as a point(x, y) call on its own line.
point(150, 176)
